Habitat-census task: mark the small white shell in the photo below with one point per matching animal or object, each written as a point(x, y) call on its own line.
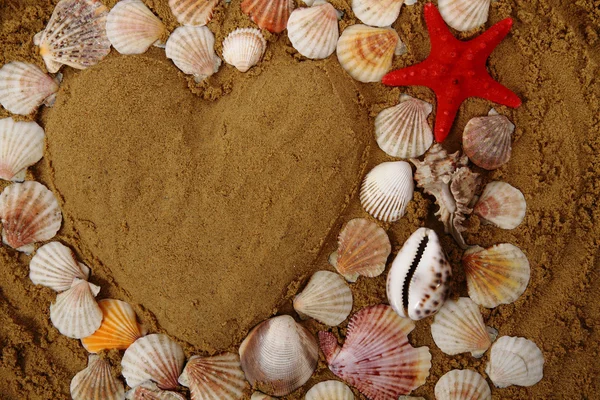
point(487, 140)
point(377, 12)
point(21, 145)
point(462, 385)
point(329, 390)
point(261, 396)
point(54, 265)
point(96, 382)
point(218, 377)
point(387, 189)
point(326, 298)
point(75, 313)
point(149, 391)
point(192, 50)
point(132, 28)
point(243, 48)
point(502, 205)
point(515, 361)
point(464, 15)
point(24, 87)
point(193, 12)
point(314, 31)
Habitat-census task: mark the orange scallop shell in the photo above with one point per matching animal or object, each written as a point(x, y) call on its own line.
point(271, 15)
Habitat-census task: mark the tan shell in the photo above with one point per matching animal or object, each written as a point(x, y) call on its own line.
point(96, 382)
point(192, 50)
point(24, 87)
point(132, 28)
point(261, 396)
point(501, 205)
point(75, 313)
point(149, 391)
point(271, 15)
point(54, 265)
point(314, 31)
point(487, 140)
point(329, 390)
point(193, 12)
point(326, 298)
point(464, 15)
point(218, 377)
point(462, 385)
point(243, 48)
point(377, 12)
point(21, 145)
point(515, 361)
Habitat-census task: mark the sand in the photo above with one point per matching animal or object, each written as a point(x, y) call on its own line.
point(208, 206)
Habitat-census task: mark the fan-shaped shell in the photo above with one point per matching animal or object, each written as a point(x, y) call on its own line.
point(314, 31)
point(21, 145)
point(515, 361)
point(279, 355)
point(193, 12)
point(154, 357)
point(326, 298)
point(377, 358)
point(502, 205)
point(366, 53)
point(329, 390)
point(96, 382)
point(24, 87)
point(132, 28)
point(75, 35)
point(149, 391)
point(218, 377)
point(54, 265)
point(464, 15)
point(271, 15)
point(243, 48)
point(192, 50)
point(29, 214)
point(387, 189)
point(377, 12)
point(487, 140)
point(462, 385)
point(75, 313)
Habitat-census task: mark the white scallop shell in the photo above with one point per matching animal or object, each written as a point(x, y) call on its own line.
point(243, 48)
point(75, 313)
point(487, 140)
point(464, 15)
point(21, 145)
point(96, 382)
point(501, 205)
point(149, 391)
point(193, 12)
point(326, 298)
point(54, 265)
point(218, 377)
point(377, 12)
point(24, 87)
point(329, 390)
point(314, 31)
point(403, 131)
point(462, 385)
point(515, 361)
point(132, 28)
point(192, 50)
point(387, 189)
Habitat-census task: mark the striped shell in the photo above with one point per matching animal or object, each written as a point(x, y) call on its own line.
point(149, 391)
point(192, 50)
point(462, 385)
point(515, 361)
point(326, 298)
point(501, 205)
point(75, 313)
point(314, 31)
point(271, 15)
point(243, 48)
point(132, 28)
point(54, 265)
point(24, 87)
point(487, 140)
point(218, 377)
point(193, 12)
point(377, 12)
point(329, 390)
point(21, 146)
point(96, 382)
point(464, 15)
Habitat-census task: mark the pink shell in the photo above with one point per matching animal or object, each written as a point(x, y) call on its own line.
point(502, 205)
point(487, 140)
point(271, 15)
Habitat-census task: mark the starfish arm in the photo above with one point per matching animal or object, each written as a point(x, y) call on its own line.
point(447, 107)
point(440, 36)
point(485, 43)
point(491, 90)
point(415, 75)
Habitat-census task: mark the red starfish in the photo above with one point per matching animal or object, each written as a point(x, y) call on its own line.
point(455, 70)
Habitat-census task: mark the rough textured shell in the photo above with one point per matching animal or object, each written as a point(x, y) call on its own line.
point(271, 15)
point(219, 377)
point(154, 357)
point(417, 284)
point(75, 313)
point(132, 28)
point(377, 358)
point(377, 12)
point(502, 205)
point(21, 145)
point(326, 298)
point(149, 391)
point(96, 382)
point(75, 35)
point(314, 31)
point(24, 87)
point(487, 140)
point(366, 53)
point(192, 50)
point(54, 265)
point(387, 189)
point(193, 12)
point(403, 131)
point(464, 15)
point(462, 385)
point(279, 354)
point(515, 361)
point(243, 48)
point(329, 390)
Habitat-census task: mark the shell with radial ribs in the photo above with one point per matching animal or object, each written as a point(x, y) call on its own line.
point(21, 146)
point(75, 35)
point(501, 205)
point(464, 15)
point(462, 385)
point(417, 284)
point(96, 382)
point(403, 131)
point(387, 189)
point(24, 87)
point(363, 249)
point(487, 140)
point(218, 377)
point(271, 15)
point(54, 265)
point(75, 312)
point(243, 48)
point(279, 355)
point(149, 391)
point(192, 50)
point(326, 298)
point(377, 12)
point(29, 213)
point(377, 357)
point(154, 357)
point(515, 361)
point(329, 390)
point(193, 12)
point(497, 275)
point(314, 31)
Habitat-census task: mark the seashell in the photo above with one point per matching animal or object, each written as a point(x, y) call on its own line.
point(75, 313)
point(458, 328)
point(329, 390)
point(149, 391)
point(75, 35)
point(464, 15)
point(326, 298)
point(487, 140)
point(515, 361)
point(21, 145)
point(29, 214)
point(497, 275)
point(377, 12)
point(386, 190)
point(193, 12)
point(154, 357)
point(363, 249)
point(366, 53)
point(501, 205)
point(96, 382)
point(314, 31)
point(243, 48)
point(271, 15)
point(192, 50)
point(462, 385)
point(217, 377)
point(410, 397)
point(132, 28)
point(377, 358)
point(279, 355)
point(119, 327)
point(261, 396)
point(24, 87)
point(417, 284)
point(54, 265)
point(403, 131)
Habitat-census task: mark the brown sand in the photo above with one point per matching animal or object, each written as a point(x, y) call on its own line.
point(208, 212)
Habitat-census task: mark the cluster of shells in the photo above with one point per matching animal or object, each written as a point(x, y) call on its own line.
point(279, 355)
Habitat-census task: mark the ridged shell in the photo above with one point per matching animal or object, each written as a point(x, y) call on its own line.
point(54, 265)
point(218, 377)
point(279, 355)
point(21, 146)
point(329, 390)
point(386, 190)
point(501, 205)
point(193, 12)
point(314, 31)
point(515, 361)
point(132, 28)
point(30, 214)
point(403, 131)
point(459, 328)
point(271, 15)
point(487, 140)
point(462, 385)
point(326, 298)
point(464, 15)
point(192, 50)
point(24, 87)
point(119, 327)
point(377, 12)
point(417, 284)
point(75, 313)
point(363, 249)
point(154, 357)
point(497, 275)
point(243, 48)
point(149, 391)
point(96, 382)
point(75, 35)
point(377, 358)
point(366, 53)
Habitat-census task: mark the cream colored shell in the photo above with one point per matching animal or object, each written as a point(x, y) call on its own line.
point(21, 146)
point(24, 87)
point(314, 31)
